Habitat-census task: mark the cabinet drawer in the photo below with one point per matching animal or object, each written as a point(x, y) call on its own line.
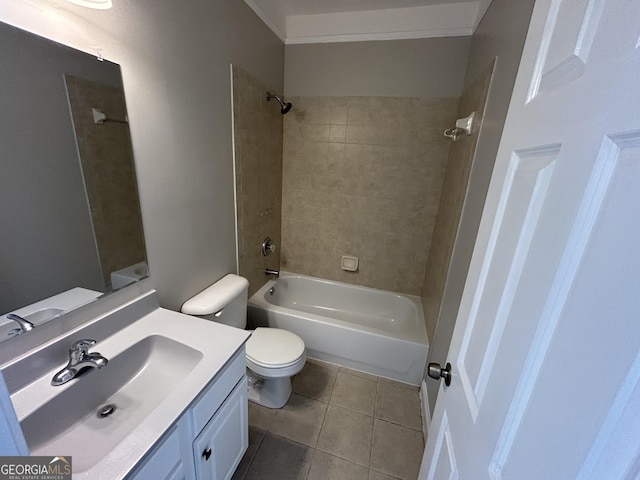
point(215, 393)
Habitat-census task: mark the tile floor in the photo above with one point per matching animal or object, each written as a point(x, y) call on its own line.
point(339, 424)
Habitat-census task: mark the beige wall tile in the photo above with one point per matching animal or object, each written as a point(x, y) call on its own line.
point(455, 184)
point(375, 196)
point(258, 160)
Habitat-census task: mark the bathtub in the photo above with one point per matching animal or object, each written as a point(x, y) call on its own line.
point(374, 331)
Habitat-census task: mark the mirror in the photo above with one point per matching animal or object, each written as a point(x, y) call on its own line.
point(71, 227)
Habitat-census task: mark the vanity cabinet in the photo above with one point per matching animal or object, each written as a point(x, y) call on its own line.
point(222, 443)
point(165, 461)
point(210, 438)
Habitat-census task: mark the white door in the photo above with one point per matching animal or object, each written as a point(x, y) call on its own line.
point(546, 351)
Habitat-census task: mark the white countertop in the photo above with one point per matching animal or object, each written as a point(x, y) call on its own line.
point(217, 343)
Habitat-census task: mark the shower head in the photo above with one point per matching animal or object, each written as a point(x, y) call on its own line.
point(284, 107)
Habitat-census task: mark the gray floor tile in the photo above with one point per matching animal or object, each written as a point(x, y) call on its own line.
point(315, 381)
point(354, 393)
point(300, 420)
point(358, 373)
point(256, 435)
point(398, 403)
point(373, 475)
point(325, 466)
point(280, 459)
point(261, 417)
point(396, 450)
point(320, 363)
point(347, 434)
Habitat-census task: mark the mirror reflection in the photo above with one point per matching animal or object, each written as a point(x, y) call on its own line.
point(71, 225)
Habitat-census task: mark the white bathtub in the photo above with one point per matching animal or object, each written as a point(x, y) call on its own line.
point(374, 331)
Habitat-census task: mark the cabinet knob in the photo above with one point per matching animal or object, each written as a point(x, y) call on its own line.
point(206, 454)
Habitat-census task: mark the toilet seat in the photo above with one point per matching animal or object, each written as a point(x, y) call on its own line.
point(274, 352)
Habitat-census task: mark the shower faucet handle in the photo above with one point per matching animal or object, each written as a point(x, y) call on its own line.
point(268, 247)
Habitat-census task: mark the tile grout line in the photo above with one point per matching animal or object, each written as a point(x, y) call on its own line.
point(313, 456)
point(246, 472)
point(324, 418)
point(315, 449)
point(373, 430)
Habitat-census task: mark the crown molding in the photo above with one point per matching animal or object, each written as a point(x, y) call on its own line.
point(367, 37)
point(482, 9)
point(267, 20)
point(440, 20)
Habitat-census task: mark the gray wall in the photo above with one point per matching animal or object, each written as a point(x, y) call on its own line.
point(501, 34)
point(175, 60)
point(431, 67)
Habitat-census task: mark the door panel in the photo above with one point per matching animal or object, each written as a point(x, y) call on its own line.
point(546, 349)
point(566, 43)
point(527, 184)
point(603, 236)
point(445, 464)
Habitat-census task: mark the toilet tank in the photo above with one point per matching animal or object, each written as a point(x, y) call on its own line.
point(224, 302)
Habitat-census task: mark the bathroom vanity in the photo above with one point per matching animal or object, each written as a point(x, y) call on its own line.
point(170, 403)
point(203, 445)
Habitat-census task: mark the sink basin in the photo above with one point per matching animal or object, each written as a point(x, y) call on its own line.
point(134, 382)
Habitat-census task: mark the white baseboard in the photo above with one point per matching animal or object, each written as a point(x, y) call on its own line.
point(424, 409)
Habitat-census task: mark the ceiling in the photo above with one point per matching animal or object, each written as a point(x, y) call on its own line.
point(323, 21)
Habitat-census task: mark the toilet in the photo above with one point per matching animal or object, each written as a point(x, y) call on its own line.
point(273, 355)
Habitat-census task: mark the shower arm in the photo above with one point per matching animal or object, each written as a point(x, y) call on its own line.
point(284, 107)
point(463, 125)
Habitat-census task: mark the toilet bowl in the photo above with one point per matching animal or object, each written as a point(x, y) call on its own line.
point(273, 355)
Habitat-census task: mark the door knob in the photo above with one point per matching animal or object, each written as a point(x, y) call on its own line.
point(434, 370)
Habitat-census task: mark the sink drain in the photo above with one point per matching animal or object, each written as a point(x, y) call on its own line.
point(106, 410)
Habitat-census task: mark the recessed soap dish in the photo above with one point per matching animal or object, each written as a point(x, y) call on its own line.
point(350, 264)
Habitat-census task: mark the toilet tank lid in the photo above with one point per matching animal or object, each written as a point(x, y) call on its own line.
point(217, 296)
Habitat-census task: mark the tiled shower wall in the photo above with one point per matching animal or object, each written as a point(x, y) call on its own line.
point(454, 192)
point(258, 166)
point(362, 176)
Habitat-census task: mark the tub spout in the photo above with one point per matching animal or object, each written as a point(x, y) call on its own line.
point(275, 273)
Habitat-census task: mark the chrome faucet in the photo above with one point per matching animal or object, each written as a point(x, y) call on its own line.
point(25, 324)
point(275, 273)
point(79, 359)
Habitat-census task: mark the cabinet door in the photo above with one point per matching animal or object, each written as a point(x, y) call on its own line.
point(222, 443)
